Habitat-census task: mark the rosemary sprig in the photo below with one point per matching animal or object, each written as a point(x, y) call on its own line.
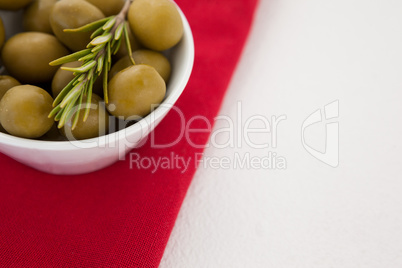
point(96, 61)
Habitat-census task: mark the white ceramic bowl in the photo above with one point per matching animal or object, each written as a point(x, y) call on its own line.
point(94, 154)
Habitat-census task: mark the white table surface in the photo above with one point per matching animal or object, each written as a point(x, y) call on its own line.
point(301, 56)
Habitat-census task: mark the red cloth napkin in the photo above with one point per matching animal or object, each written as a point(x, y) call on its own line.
point(122, 217)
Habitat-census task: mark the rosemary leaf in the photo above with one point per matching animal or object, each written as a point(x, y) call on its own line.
point(88, 27)
point(98, 48)
point(77, 113)
point(109, 54)
point(89, 98)
point(69, 58)
point(100, 63)
point(68, 111)
point(58, 115)
point(105, 81)
point(101, 39)
point(113, 43)
point(64, 91)
point(119, 32)
point(90, 74)
point(54, 111)
point(76, 82)
point(84, 68)
point(71, 95)
point(82, 77)
point(108, 25)
point(128, 45)
point(96, 33)
point(90, 56)
point(117, 46)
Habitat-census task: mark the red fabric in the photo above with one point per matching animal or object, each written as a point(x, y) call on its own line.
point(122, 217)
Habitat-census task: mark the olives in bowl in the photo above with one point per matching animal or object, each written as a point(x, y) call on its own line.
point(157, 23)
point(93, 153)
point(26, 56)
point(24, 111)
point(70, 14)
point(134, 90)
point(36, 16)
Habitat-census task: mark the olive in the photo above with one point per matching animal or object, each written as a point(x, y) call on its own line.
point(108, 7)
point(134, 91)
point(14, 4)
point(156, 23)
point(36, 16)
point(26, 56)
point(2, 33)
point(7, 82)
point(95, 125)
point(24, 111)
point(62, 78)
point(71, 14)
point(143, 56)
point(122, 52)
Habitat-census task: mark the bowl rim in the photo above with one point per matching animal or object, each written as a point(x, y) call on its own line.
point(102, 141)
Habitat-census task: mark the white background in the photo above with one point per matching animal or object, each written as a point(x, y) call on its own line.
point(302, 55)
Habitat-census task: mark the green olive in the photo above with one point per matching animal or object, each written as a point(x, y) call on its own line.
point(108, 7)
point(148, 57)
point(96, 124)
point(62, 78)
point(156, 23)
point(26, 56)
point(71, 14)
point(7, 82)
point(36, 16)
point(24, 111)
point(14, 4)
point(135, 45)
point(134, 91)
point(2, 33)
